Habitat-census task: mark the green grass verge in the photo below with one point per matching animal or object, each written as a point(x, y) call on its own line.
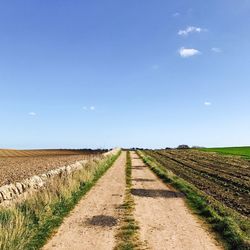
point(233, 230)
point(29, 224)
point(238, 151)
point(127, 236)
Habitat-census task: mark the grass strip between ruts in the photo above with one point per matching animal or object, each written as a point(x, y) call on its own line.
point(128, 233)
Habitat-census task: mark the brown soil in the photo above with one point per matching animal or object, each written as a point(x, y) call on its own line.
point(164, 220)
point(93, 223)
point(226, 179)
point(46, 152)
point(14, 169)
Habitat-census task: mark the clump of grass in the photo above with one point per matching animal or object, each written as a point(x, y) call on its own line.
point(127, 236)
point(233, 230)
point(28, 224)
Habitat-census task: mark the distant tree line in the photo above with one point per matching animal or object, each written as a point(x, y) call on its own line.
point(181, 146)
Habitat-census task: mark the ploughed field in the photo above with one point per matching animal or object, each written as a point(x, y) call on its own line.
point(16, 165)
point(47, 152)
point(225, 178)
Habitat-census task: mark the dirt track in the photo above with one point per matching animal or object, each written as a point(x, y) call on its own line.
point(164, 220)
point(92, 224)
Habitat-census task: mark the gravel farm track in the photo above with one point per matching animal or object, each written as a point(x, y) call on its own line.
point(164, 219)
point(16, 165)
point(93, 222)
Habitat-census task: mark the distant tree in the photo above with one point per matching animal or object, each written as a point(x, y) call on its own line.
point(183, 146)
point(167, 148)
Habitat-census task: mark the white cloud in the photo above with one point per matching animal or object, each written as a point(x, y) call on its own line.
point(216, 50)
point(32, 113)
point(184, 52)
point(190, 29)
point(207, 103)
point(85, 108)
point(92, 108)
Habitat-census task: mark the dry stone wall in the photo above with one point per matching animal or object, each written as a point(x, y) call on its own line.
point(14, 190)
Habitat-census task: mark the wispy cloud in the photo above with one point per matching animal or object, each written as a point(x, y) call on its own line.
point(207, 103)
point(176, 14)
point(32, 113)
point(92, 108)
point(190, 29)
point(216, 50)
point(188, 52)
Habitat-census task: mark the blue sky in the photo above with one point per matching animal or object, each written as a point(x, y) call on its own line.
point(124, 73)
